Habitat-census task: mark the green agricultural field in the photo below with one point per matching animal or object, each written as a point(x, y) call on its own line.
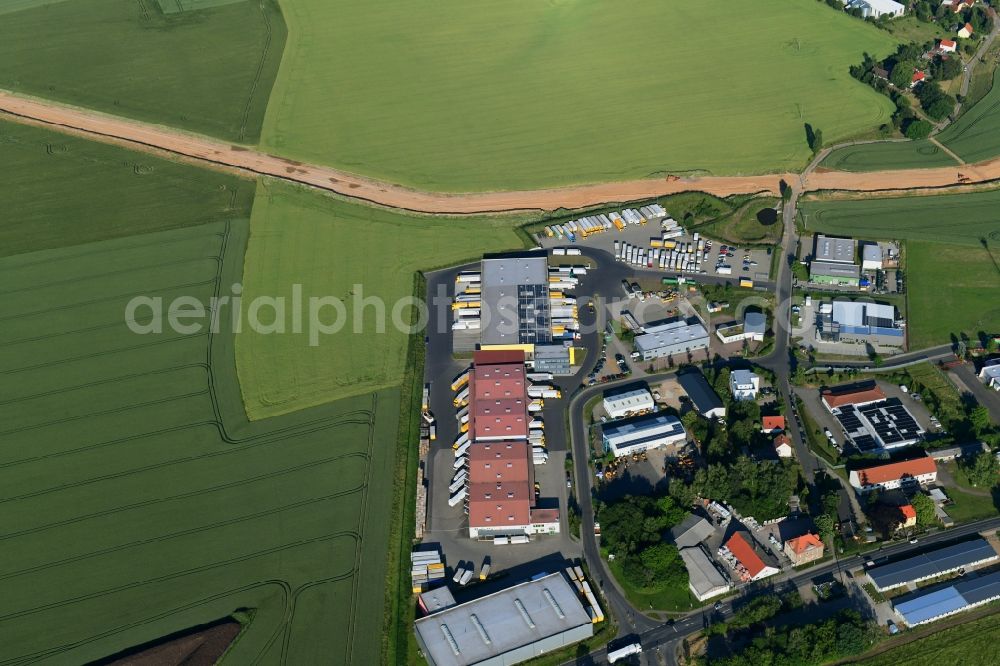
point(348, 252)
point(950, 292)
point(958, 219)
point(888, 155)
point(969, 643)
point(975, 136)
point(56, 192)
point(524, 94)
point(139, 501)
point(208, 71)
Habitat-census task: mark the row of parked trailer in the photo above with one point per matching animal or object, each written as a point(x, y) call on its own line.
point(597, 224)
point(468, 302)
point(575, 575)
point(426, 569)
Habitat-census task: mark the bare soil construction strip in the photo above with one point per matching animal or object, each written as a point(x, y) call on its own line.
point(138, 135)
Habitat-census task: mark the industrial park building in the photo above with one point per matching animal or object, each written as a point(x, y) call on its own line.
point(870, 420)
point(676, 337)
point(515, 300)
point(850, 321)
point(555, 358)
point(834, 250)
point(923, 607)
point(828, 272)
point(938, 562)
point(702, 395)
point(507, 627)
point(628, 403)
point(500, 497)
point(642, 434)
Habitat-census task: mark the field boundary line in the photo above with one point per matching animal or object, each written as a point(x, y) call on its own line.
point(947, 151)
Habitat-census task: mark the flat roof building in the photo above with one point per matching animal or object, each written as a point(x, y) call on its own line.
point(704, 578)
point(506, 627)
point(702, 395)
point(755, 325)
point(676, 337)
point(990, 374)
point(851, 321)
point(834, 250)
point(828, 272)
point(923, 607)
point(553, 358)
point(628, 403)
point(436, 600)
point(871, 257)
point(515, 300)
point(890, 476)
point(934, 563)
point(883, 425)
point(642, 433)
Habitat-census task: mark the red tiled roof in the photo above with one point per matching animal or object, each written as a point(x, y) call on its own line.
point(803, 543)
point(744, 552)
point(501, 419)
point(499, 504)
point(494, 462)
point(918, 76)
point(894, 471)
point(834, 399)
point(908, 511)
point(948, 43)
point(487, 356)
point(782, 439)
point(544, 516)
point(774, 423)
point(498, 401)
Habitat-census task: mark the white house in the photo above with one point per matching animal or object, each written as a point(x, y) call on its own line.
point(990, 374)
point(947, 45)
point(744, 385)
point(783, 446)
point(876, 8)
point(965, 31)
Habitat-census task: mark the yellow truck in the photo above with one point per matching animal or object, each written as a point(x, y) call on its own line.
point(746, 283)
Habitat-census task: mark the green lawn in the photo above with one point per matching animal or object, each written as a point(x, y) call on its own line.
point(971, 644)
point(348, 252)
point(56, 191)
point(742, 227)
point(525, 94)
point(671, 599)
point(968, 504)
point(208, 71)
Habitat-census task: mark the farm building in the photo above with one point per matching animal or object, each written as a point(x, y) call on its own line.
point(876, 8)
point(515, 300)
point(628, 403)
point(676, 337)
point(743, 385)
point(894, 475)
point(702, 396)
point(804, 549)
point(642, 433)
point(507, 627)
point(923, 607)
point(934, 563)
point(704, 578)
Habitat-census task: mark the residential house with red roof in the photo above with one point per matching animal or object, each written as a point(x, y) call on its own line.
point(804, 549)
point(772, 424)
point(894, 475)
point(783, 446)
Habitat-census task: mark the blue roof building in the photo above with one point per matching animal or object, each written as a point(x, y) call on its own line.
point(924, 607)
point(931, 564)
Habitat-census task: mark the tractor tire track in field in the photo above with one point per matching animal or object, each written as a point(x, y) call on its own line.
point(207, 151)
point(260, 69)
point(185, 495)
point(178, 574)
point(180, 533)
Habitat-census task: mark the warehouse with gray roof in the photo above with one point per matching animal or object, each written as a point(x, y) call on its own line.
point(506, 627)
point(515, 300)
point(675, 337)
point(704, 398)
point(934, 563)
point(704, 578)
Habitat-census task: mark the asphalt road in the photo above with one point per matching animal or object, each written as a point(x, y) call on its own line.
point(668, 636)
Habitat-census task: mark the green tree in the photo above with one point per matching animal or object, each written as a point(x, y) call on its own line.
point(979, 417)
point(902, 74)
point(825, 523)
point(924, 506)
point(918, 129)
point(982, 469)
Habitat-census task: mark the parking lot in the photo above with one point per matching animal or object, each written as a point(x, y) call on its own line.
point(754, 264)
